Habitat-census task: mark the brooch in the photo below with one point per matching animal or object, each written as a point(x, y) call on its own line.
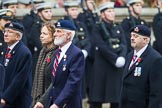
point(48, 60)
point(139, 60)
point(64, 62)
point(137, 71)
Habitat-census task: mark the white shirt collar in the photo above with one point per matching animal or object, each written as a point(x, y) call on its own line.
point(64, 49)
point(12, 46)
point(139, 53)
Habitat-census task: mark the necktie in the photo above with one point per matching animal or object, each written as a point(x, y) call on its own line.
point(56, 62)
point(133, 60)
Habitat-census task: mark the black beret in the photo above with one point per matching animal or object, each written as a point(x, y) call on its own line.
point(141, 30)
point(65, 24)
point(15, 26)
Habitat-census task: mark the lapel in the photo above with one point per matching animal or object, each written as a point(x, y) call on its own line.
point(127, 70)
point(60, 66)
point(62, 62)
point(13, 51)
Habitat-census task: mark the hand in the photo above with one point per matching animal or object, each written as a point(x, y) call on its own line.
point(54, 106)
point(3, 102)
point(38, 105)
point(120, 62)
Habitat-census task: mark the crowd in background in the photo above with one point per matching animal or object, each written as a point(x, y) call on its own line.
point(104, 44)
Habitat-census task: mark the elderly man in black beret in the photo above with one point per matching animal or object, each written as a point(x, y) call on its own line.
point(142, 77)
point(67, 69)
point(17, 61)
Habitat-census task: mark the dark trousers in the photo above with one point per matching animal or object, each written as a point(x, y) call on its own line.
point(95, 105)
point(114, 105)
point(99, 105)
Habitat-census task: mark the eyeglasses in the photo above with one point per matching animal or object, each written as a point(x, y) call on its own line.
point(8, 31)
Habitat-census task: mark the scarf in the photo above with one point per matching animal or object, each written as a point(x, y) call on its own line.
point(39, 78)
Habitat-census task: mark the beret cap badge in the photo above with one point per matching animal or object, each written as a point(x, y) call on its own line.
point(136, 29)
point(58, 24)
point(8, 13)
point(11, 25)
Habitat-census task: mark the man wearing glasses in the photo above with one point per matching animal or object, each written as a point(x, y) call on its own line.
point(17, 61)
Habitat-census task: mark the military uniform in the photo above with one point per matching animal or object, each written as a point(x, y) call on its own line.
point(105, 82)
point(109, 44)
point(157, 28)
point(30, 19)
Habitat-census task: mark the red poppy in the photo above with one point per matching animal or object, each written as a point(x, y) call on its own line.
point(139, 60)
point(48, 60)
point(8, 56)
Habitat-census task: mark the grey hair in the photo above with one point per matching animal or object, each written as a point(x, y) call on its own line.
point(72, 33)
point(20, 34)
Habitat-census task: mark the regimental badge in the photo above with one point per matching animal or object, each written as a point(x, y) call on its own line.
point(8, 13)
point(11, 25)
point(136, 29)
point(138, 71)
point(58, 24)
point(6, 62)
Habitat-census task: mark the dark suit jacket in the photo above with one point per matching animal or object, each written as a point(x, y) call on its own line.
point(144, 91)
point(2, 75)
point(18, 82)
point(66, 90)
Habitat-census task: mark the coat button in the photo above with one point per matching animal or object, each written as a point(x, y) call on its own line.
point(50, 97)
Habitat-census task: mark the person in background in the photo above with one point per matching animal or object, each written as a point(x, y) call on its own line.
point(2, 76)
point(142, 77)
point(10, 4)
point(17, 60)
point(24, 4)
point(135, 10)
point(67, 69)
point(81, 38)
point(109, 59)
point(42, 76)
point(44, 15)
point(29, 19)
point(120, 3)
point(157, 28)
point(6, 16)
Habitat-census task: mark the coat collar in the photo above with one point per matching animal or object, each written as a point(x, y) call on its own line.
point(127, 71)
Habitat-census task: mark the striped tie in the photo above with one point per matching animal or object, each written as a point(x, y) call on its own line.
point(56, 62)
point(133, 60)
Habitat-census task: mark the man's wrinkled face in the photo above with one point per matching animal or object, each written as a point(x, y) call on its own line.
point(60, 36)
point(10, 36)
point(138, 41)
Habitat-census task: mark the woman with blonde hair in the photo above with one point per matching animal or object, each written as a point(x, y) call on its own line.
point(42, 78)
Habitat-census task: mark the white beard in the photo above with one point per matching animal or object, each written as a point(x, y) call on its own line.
point(60, 40)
